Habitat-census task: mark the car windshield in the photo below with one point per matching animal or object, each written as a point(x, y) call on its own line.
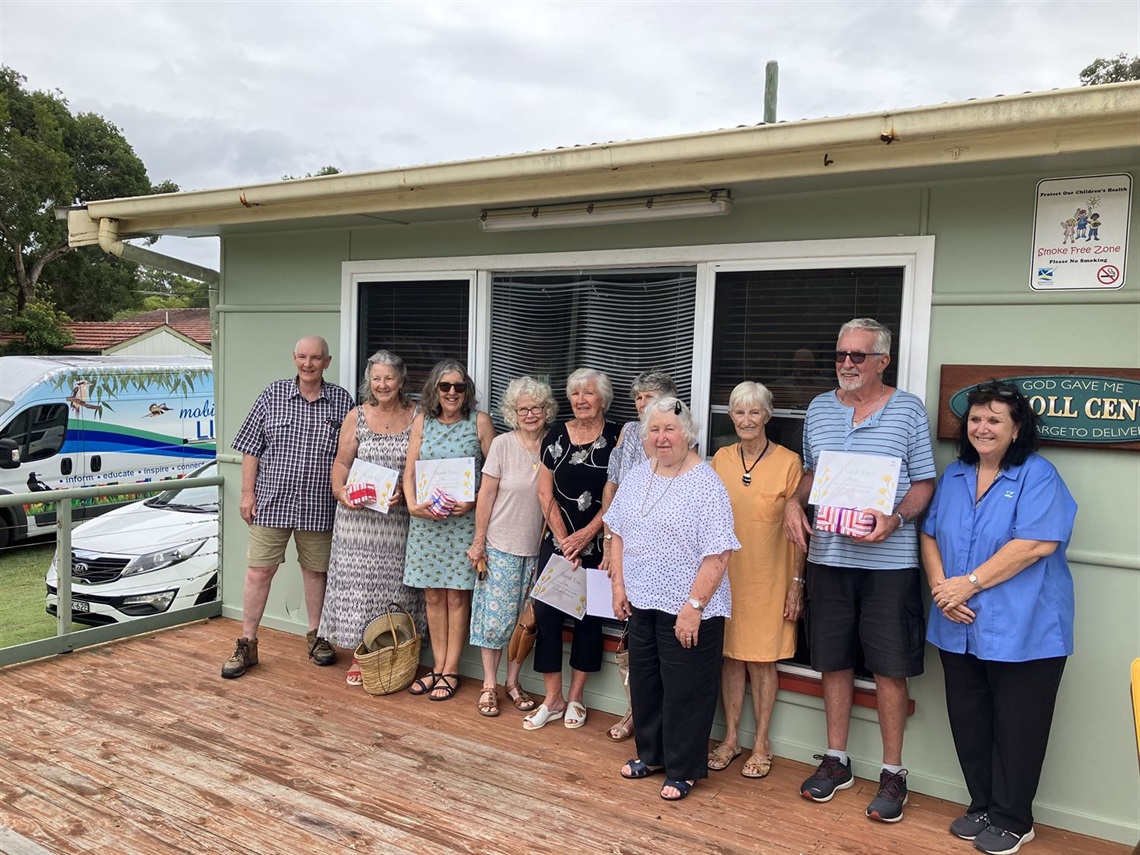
point(5, 405)
point(192, 499)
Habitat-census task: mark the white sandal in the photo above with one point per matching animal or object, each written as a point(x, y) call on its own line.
point(575, 715)
point(541, 716)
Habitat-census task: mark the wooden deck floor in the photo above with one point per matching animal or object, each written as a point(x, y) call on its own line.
point(140, 747)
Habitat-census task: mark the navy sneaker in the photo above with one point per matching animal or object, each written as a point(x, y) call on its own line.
point(833, 774)
point(998, 841)
point(887, 805)
point(971, 825)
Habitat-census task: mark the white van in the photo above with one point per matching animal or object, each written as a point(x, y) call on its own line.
point(87, 421)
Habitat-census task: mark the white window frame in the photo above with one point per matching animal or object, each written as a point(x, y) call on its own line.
point(914, 254)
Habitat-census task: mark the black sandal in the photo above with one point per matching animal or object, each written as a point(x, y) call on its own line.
point(447, 686)
point(419, 687)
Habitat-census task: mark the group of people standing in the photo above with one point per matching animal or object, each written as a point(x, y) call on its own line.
point(711, 563)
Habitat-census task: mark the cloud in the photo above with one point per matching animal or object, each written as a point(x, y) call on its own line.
point(229, 93)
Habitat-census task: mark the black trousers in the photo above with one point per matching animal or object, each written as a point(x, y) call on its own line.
point(1000, 716)
point(585, 649)
point(673, 691)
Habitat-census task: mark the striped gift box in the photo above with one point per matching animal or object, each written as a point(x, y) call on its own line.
point(848, 521)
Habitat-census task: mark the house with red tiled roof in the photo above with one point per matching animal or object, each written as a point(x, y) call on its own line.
point(161, 332)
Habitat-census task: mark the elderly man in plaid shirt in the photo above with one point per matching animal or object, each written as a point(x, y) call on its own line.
point(288, 443)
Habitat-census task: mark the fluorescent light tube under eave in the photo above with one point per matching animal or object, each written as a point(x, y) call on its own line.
point(562, 216)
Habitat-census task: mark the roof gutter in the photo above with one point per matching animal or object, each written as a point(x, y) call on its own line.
point(1036, 124)
point(109, 242)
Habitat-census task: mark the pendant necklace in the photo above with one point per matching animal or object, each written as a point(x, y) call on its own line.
point(855, 422)
point(747, 476)
point(534, 458)
point(648, 487)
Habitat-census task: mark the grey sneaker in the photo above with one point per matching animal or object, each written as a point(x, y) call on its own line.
point(887, 805)
point(244, 657)
point(971, 825)
point(998, 841)
point(320, 651)
point(833, 774)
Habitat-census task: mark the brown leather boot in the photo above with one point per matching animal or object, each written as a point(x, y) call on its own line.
point(243, 658)
point(320, 651)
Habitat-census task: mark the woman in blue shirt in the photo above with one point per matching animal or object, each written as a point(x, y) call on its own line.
point(1002, 616)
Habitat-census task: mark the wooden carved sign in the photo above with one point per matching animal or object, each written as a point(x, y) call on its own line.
point(1085, 407)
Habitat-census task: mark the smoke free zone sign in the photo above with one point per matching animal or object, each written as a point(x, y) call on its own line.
point(1080, 233)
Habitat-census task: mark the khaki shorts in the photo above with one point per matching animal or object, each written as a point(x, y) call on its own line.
point(267, 547)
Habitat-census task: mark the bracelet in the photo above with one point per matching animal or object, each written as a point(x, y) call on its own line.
point(799, 579)
point(902, 519)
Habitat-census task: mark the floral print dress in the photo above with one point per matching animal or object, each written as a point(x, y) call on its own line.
point(579, 477)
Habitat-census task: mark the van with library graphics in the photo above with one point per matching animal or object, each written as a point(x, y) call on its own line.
point(91, 421)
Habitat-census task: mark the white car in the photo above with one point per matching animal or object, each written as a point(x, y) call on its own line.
point(145, 558)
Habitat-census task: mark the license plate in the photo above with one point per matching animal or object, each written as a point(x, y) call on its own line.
point(80, 606)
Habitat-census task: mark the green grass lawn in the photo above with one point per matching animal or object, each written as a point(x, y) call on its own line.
point(22, 591)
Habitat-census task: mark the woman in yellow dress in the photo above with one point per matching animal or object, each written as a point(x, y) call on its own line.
point(766, 574)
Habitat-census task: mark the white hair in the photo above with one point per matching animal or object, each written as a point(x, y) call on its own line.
point(672, 406)
point(586, 376)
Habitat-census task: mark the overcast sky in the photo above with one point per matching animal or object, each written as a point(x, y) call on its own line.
point(217, 94)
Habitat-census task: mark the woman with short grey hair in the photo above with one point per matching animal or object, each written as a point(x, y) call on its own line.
point(570, 483)
point(629, 452)
point(508, 523)
point(766, 575)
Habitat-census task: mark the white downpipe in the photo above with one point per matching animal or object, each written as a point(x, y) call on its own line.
point(109, 242)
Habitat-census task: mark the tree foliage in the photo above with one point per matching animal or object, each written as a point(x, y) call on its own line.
point(41, 328)
point(324, 170)
point(49, 158)
point(1117, 69)
point(161, 289)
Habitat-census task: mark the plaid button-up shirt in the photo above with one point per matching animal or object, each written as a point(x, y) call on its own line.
point(295, 442)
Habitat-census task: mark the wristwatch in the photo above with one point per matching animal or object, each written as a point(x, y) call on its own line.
point(607, 536)
point(696, 604)
point(973, 577)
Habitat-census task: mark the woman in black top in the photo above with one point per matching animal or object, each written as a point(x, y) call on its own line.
point(574, 459)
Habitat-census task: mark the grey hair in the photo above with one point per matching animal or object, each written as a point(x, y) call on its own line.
point(653, 381)
point(384, 357)
point(882, 334)
point(673, 406)
point(541, 392)
point(751, 394)
point(585, 376)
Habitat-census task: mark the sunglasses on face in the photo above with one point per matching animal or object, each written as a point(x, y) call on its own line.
point(448, 387)
point(855, 356)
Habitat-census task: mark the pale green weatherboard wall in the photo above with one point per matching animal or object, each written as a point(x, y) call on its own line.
point(983, 231)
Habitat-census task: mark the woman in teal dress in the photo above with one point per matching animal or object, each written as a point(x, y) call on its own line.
point(448, 426)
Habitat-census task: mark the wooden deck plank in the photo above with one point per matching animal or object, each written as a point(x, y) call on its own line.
point(140, 746)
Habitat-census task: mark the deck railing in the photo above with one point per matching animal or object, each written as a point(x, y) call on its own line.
point(67, 638)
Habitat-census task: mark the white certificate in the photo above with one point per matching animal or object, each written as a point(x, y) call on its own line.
point(454, 476)
point(562, 586)
point(599, 594)
point(846, 480)
point(380, 477)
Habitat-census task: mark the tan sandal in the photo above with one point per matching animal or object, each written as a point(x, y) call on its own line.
point(757, 766)
point(623, 730)
point(721, 756)
point(489, 703)
point(522, 701)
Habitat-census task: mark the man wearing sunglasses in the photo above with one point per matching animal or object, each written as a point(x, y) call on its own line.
point(288, 443)
point(863, 590)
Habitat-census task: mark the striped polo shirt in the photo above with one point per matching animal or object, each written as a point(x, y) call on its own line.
point(900, 429)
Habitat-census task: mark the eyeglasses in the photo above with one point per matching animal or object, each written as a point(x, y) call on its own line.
point(855, 356)
point(534, 411)
point(448, 387)
point(992, 389)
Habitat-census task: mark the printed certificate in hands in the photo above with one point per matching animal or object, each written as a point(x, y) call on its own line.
point(382, 480)
point(454, 476)
point(860, 481)
point(585, 591)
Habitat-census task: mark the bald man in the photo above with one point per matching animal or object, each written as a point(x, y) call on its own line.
point(288, 443)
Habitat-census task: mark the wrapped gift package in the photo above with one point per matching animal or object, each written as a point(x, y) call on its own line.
point(848, 521)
